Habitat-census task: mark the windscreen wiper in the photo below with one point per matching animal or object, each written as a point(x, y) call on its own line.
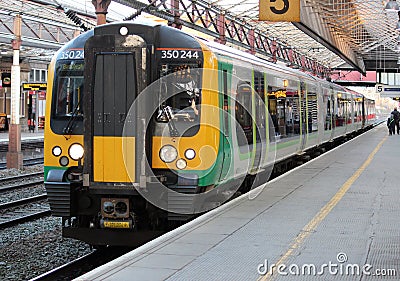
point(71, 122)
point(171, 123)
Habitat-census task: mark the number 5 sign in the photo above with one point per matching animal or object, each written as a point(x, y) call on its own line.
point(279, 10)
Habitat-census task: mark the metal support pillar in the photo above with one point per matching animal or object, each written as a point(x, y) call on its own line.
point(101, 7)
point(303, 63)
point(221, 28)
point(36, 111)
point(252, 42)
point(290, 58)
point(5, 101)
point(274, 50)
point(177, 23)
point(14, 154)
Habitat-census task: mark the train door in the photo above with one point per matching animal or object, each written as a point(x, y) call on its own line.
point(259, 120)
point(312, 115)
point(225, 78)
point(303, 114)
point(115, 73)
point(333, 111)
point(363, 113)
point(327, 109)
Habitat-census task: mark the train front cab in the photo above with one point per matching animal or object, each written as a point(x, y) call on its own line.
point(92, 193)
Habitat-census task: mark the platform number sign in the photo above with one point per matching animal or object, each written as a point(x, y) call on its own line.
point(279, 10)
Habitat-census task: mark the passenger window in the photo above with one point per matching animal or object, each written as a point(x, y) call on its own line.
point(328, 116)
point(312, 110)
point(342, 110)
point(273, 111)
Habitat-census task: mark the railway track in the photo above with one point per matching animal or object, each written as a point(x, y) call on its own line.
point(25, 145)
point(17, 182)
point(23, 210)
point(22, 198)
point(26, 162)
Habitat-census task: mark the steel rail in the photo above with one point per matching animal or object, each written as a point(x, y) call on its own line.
point(23, 201)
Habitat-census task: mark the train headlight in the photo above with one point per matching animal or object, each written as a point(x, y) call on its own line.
point(56, 151)
point(190, 154)
point(75, 151)
point(168, 153)
point(123, 31)
point(181, 164)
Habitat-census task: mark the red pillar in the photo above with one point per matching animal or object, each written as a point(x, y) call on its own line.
point(274, 50)
point(14, 154)
point(101, 7)
point(177, 15)
point(221, 28)
point(252, 42)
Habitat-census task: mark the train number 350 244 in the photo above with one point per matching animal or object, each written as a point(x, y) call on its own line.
point(179, 54)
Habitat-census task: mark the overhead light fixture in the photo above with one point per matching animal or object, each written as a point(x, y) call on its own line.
point(392, 6)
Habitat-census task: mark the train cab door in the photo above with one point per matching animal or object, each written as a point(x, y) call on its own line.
point(224, 83)
point(115, 73)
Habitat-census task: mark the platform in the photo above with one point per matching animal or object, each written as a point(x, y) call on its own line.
point(321, 221)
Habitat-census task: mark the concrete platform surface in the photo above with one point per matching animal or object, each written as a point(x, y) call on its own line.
point(334, 218)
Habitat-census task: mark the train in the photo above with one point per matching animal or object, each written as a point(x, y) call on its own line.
point(148, 126)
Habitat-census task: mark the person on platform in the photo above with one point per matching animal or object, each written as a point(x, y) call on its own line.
point(31, 125)
point(390, 124)
point(396, 116)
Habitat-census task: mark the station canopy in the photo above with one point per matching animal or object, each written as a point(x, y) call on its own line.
point(337, 34)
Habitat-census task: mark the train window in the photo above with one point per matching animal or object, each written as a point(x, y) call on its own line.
point(357, 108)
point(312, 110)
point(328, 111)
point(284, 108)
point(272, 109)
point(292, 114)
point(341, 110)
point(243, 114)
point(69, 88)
point(182, 110)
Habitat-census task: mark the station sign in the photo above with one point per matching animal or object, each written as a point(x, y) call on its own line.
point(388, 91)
point(279, 10)
point(34, 86)
point(6, 79)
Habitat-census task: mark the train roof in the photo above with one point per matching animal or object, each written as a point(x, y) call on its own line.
point(241, 55)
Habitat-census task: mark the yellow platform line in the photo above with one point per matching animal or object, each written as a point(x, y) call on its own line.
point(320, 216)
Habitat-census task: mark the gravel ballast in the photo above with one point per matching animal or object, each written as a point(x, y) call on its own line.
point(33, 248)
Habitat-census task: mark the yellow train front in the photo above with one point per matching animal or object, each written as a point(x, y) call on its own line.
point(109, 151)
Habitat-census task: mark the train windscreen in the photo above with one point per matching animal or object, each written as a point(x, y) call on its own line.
point(68, 88)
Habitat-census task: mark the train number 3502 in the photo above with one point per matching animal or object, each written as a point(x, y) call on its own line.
point(72, 54)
